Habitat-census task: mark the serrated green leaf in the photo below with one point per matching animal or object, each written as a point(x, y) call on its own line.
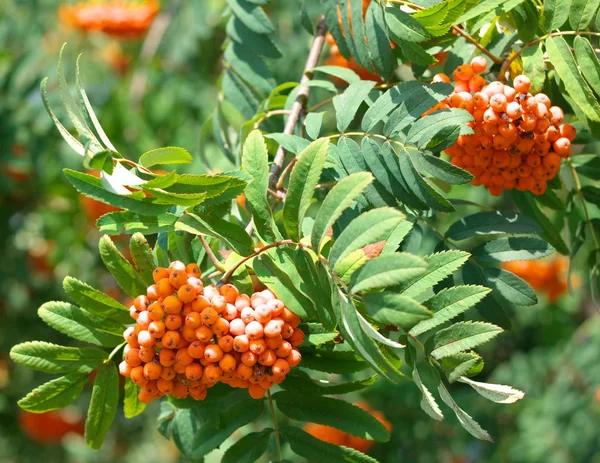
point(587, 60)
point(103, 406)
point(249, 448)
point(232, 234)
point(95, 302)
point(269, 273)
point(250, 68)
point(251, 15)
point(424, 131)
point(462, 364)
point(331, 412)
point(460, 337)
point(363, 344)
point(132, 405)
point(58, 393)
point(52, 358)
point(464, 419)
point(394, 309)
point(341, 196)
point(561, 57)
point(313, 123)
point(143, 258)
point(491, 223)
point(591, 168)
point(508, 287)
point(314, 449)
point(254, 162)
point(512, 248)
point(419, 187)
point(529, 207)
point(439, 266)
point(92, 187)
point(116, 223)
point(164, 156)
point(378, 40)
point(195, 441)
point(365, 229)
point(303, 181)
point(120, 268)
point(443, 170)
point(260, 44)
point(81, 325)
point(388, 270)
point(332, 362)
point(497, 393)
point(490, 310)
point(346, 105)
point(534, 67)
point(449, 303)
point(556, 13)
point(403, 26)
point(428, 403)
point(300, 382)
point(345, 74)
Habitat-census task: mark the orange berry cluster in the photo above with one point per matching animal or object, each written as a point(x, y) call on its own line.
point(548, 276)
point(337, 437)
point(519, 138)
point(117, 17)
point(188, 337)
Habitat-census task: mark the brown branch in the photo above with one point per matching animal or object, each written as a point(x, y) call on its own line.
point(211, 255)
point(301, 97)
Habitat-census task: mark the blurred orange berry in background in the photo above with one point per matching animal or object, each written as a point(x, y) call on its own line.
point(547, 276)
point(49, 427)
point(337, 437)
point(124, 19)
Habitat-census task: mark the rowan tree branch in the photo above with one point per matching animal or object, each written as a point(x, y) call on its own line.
point(301, 97)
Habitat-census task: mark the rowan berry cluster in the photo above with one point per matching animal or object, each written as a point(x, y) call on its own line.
point(188, 337)
point(548, 276)
point(337, 437)
point(519, 138)
point(116, 17)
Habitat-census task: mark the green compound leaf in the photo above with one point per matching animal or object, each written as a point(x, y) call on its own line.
point(52, 358)
point(103, 406)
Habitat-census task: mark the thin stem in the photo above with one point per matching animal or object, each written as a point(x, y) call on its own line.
point(211, 255)
point(301, 97)
point(583, 202)
point(285, 173)
point(455, 29)
point(275, 427)
point(114, 351)
point(232, 270)
point(509, 61)
point(275, 112)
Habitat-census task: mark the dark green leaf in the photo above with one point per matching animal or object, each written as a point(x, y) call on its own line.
point(251, 15)
point(103, 406)
point(120, 268)
point(58, 393)
point(394, 309)
point(300, 382)
point(460, 337)
point(331, 412)
point(346, 105)
point(508, 287)
point(491, 223)
point(96, 302)
point(249, 448)
point(444, 170)
point(81, 325)
point(512, 248)
point(403, 27)
point(51, 358)
point(303, 181)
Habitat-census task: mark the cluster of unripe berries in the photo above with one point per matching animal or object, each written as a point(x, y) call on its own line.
point(547, 276)
point(188, 337)
point(519, 138)
point(115, 17)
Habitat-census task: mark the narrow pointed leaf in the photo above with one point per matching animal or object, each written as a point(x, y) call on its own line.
point(103, 406)
point(460, 337)
point(51, 358)
point(58, 393)
point(495, 392)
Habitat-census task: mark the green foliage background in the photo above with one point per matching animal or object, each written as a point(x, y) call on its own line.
point(550, 353)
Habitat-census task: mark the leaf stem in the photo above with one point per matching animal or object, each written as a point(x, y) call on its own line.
point(114, 351)
point(211, 255)
point(269, 114)
point(509, 61)
point(275, 427)
point(301, 97)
